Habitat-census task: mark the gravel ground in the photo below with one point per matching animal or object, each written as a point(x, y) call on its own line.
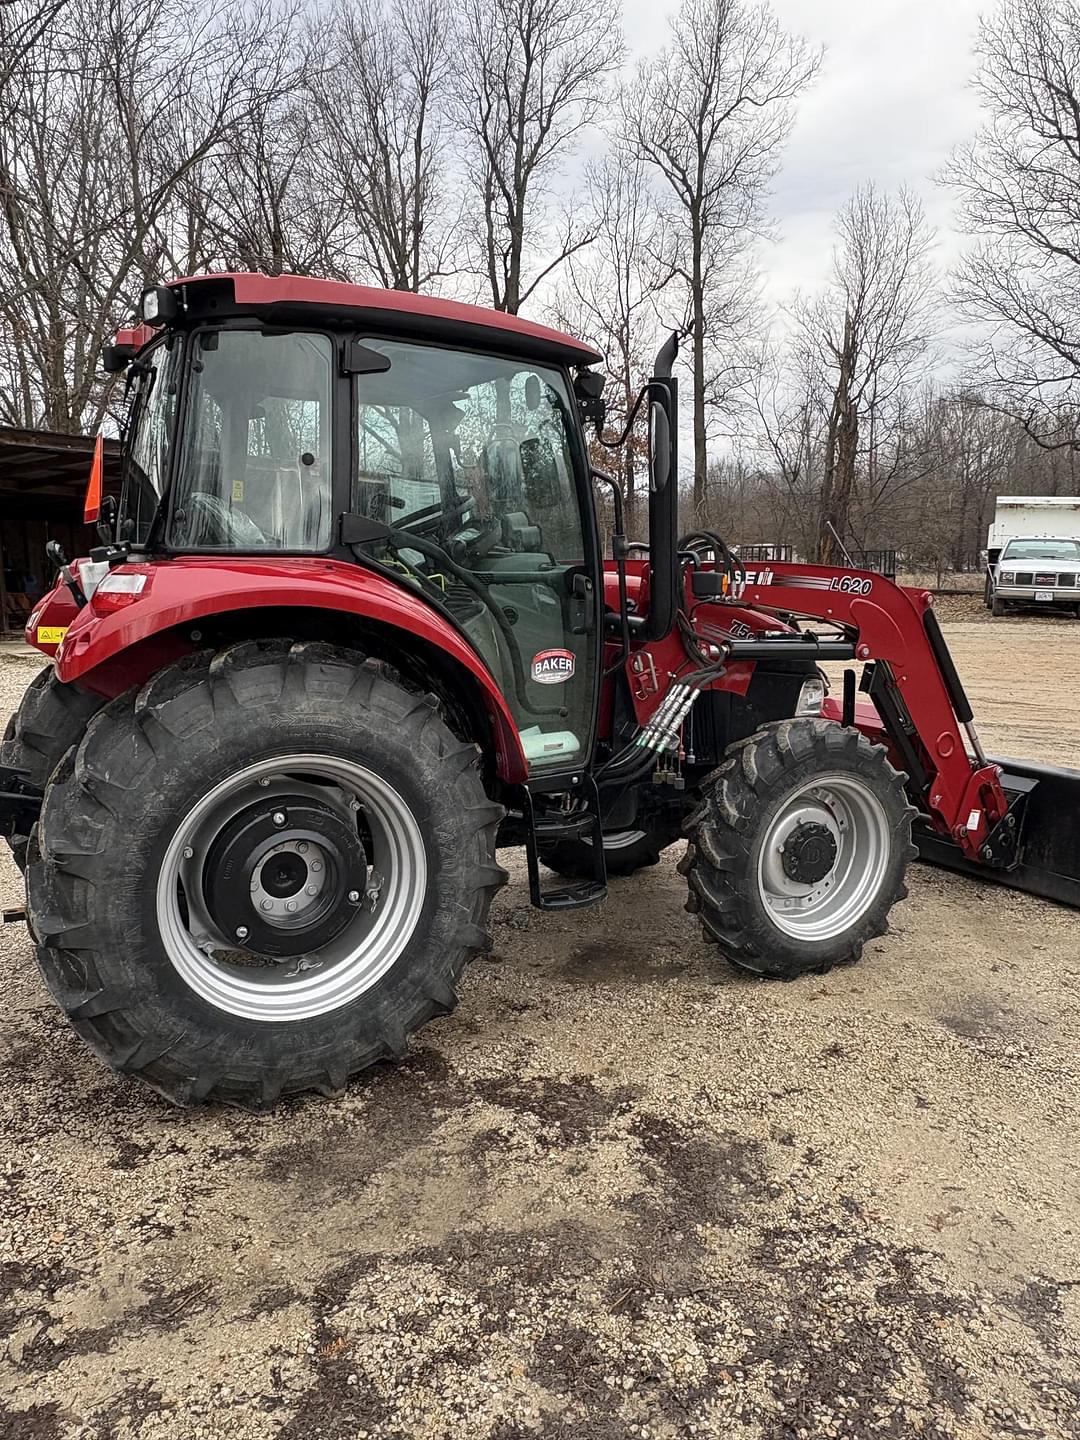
point(622, 1192)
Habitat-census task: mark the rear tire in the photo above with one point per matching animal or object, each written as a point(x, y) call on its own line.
point(625, 851)
point(152, 829)
point(50, 719)
point(758, 865)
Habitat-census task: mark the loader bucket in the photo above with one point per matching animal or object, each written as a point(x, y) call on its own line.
point(1048, 854)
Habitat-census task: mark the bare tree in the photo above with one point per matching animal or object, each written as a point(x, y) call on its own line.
point(711, 112)
point(256, 201)
point(786, 403)
point(382, 146)
point(609, 297)
point(530, 75)
point(867, 337)
point(109, 117)
point(21, 28)
point(1020, 196)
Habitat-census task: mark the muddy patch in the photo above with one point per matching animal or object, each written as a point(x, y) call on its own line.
point(39, 1422)
point(1039, 1305)
point(406, 1105)
point(617, 962)
point(341, 1400)
point(706, 1178)
point(570, 1111)
point(979, 1018)
point(163, 1311)
point(866, 1325)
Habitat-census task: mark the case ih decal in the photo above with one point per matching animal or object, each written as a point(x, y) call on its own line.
point(552, 667)
point(846, 584)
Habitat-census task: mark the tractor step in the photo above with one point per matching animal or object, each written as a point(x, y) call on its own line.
point(549, 826)
point(570, 897)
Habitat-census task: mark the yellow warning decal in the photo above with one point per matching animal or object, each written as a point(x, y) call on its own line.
point(51, 634)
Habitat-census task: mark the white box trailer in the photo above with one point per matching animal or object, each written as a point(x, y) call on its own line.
point(1029, 515)
point(1023, 572)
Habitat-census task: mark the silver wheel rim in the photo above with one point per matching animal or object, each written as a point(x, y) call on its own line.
point(300, 987)
point(855, 817)
point(619, 839)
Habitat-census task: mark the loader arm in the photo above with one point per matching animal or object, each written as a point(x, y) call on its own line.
point(919, 706)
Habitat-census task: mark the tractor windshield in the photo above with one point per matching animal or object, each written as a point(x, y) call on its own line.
point(254, 464)
point(468, 461)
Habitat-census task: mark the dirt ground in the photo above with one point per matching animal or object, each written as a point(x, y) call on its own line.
point(622, 1192)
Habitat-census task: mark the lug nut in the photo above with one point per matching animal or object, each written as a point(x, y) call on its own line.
point(279, 817)
point(310, 890)
point(354, 897)
point(316, 866)
point(290, 905)
point(267, 905)
point(302, 848)
point(241, 932)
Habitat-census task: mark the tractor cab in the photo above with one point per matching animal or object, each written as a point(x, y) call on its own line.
point(438, 445)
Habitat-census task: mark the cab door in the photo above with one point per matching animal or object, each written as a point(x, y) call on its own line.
point(475, 465)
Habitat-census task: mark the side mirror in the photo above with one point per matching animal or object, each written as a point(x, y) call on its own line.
point(589, 393)
point(116, 358)
point(659, 447)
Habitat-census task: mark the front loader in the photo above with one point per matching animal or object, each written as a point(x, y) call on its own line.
point(349, 630)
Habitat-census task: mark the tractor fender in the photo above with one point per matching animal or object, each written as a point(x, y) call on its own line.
point(49, 620)
point(179, 592)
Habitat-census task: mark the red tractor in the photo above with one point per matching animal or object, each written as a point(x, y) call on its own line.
point(350, 630)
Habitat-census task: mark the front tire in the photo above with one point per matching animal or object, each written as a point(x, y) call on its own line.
point(798, 850)
point(261, 872)
point(997, 608)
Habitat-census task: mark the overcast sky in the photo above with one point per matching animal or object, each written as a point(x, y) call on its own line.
point(892, 99)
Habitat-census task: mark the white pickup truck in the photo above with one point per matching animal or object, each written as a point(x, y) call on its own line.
point(1033, 553)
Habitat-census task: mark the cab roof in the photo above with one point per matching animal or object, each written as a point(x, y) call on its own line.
point(288, 298)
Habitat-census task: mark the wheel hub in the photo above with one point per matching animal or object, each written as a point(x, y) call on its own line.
point(809, 853)
point(284, 876)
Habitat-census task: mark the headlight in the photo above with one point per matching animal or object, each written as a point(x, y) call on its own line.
point(1007, 577)
point(158, 305)
point(811, 697)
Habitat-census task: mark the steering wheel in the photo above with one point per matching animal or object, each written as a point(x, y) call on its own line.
point(214, 523)
point(431, 518)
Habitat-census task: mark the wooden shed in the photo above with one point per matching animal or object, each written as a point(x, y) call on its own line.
point(42, 482)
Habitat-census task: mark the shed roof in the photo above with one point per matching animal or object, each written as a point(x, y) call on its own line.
point(43, 465)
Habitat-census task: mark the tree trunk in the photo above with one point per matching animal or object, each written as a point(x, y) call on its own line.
point(842, 448)
point(700, 517)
